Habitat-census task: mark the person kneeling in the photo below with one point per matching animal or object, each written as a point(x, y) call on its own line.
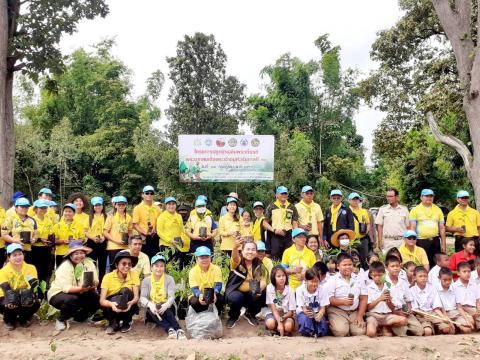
point(18, 287)
point(73, 290)
point(157, 296)
point(120, 293)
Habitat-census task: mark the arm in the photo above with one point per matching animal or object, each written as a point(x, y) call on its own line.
point(380, 236)
point(383, 297)
point(106, 303)
point(145, 293)
point(362, 307)
point(441, 228)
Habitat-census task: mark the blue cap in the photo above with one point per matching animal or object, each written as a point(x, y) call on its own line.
point(148, 188)
point(426, 192)
point(45, 191)
point(203, 197)
point(232, 199)
point(22, 202)
point(261, 246)
point(462, 193)
point(12, 247)
point(200, 202)
point(158, 257)
point(96, 200)
point(258, 203)
point(17, 195)
point(282, 190)
point(71, 206)
point(409, 233)
point(41, 203)
point(52, 203)
point(298, 231)
point(354, 195)
point(306, 188)
point(336, 192)
point(203, 251)
point(121, 198)
point(170, 199)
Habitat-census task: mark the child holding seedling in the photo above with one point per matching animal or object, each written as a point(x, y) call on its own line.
point(441, 260)
point(409, 268)
point(311, 306)
point(281, 302)
point(380, 306)
point(427, 306)
point(466, 293)
point(347, 300)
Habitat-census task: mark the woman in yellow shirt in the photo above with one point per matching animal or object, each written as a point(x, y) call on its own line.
point(229, 226)
point(95, 238)
point(118, 228)
point(42, 248)
point(18, 286)
point(81, 203)
point(246, 226)
point(120, 292)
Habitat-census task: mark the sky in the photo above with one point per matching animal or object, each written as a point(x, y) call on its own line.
point(253, 34)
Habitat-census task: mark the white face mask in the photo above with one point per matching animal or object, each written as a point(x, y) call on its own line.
point(344, 242)
point(201, 210)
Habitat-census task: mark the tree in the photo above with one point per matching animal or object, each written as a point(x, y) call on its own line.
point(205, 100)
point(29, 36)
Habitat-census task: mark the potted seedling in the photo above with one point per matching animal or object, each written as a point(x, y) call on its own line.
point(202, 232)
point(123, 230)
point(208, 295)
point(351, 295)
point(87, 279)
point(386, 285)
point(26, 237)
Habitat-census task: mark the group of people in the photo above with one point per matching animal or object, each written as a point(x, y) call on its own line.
point(329, 276)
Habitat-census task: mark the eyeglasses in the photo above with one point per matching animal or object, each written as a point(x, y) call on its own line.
point(43, 208)
point(465, 197)
point(23, 206)
point(148, 193)
point(283, 193)
point(411, 238)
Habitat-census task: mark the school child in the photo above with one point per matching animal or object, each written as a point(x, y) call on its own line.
point(441, 260)
point(395, 252)
point(311, 306)
point(322, 273)
point(447, 297)
point(425, 299)
point(409, 268)
point(261, 254)
point(466, 293)
point(380, 306)
point(364, 274)
point(347, 300)
point(475, 275)
point(281, 302)
point(465, 255)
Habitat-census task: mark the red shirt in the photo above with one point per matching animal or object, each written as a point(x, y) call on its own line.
point(457, 258)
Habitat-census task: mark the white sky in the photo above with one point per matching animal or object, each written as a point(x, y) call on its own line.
point(253, 34)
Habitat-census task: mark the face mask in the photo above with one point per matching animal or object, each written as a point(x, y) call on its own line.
point(201, 210)
point(344, 242)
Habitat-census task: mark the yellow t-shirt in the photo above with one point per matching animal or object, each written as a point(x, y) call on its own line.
point(268, 263)
point(64, 232)
point(143, 265)
point(207, 279)
point(44, 229)
point(418, 256)
point(116, 225)
point(226, 225)
point(195, 222)
point(157, 290)
point(3, 215)
point(113, 284)
point(281, 216)
point(258, 229)
point(294, 258)
point(17, 280)
point(309, 214)
point(14, 225)
point(362, 216)
point(427, 220)
point(170, 226)
point(82, 219)
point(246, 230)
point(470, 218)
point(98, 224)
point(50, 214)
point(245, 286)
point(143, 214)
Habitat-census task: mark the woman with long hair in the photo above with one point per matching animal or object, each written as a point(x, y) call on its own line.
point(95, 238)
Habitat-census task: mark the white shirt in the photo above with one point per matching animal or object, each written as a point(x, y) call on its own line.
point(474, 278)
point(374, 293)
point(433, 276)
point(403, 275)
point(284, 301)
point(425, 299)
point(339, 287)
point(364, 279)
point(465, 295)
point(315, 300)
point(447, 297)
point(399, 292)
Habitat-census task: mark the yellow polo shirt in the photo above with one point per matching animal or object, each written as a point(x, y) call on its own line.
point(44, 229)
point(144, 214)
point(170, 226)
point(82, 219)
point(258, 228)
point(64, 231)
point(116, 225)
point(427, 220)
point(17, 280)
point(226, 225)
point(469, 217)
point(50, 213)
point(207, 279)
point(113, 284)
point(294, 258)
point(281, 216)
point(98, 224)
point(362, 216)
point(309, 213)
point(14, 225)
point(195, 222)
point(418, 255)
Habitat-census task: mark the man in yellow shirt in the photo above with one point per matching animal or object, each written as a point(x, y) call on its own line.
point(426, 219)
point(310, 215)
point(363, 230)
point(411, 252)
point(464, 222)
point(143, 265)
point(144, 219)
point(258, 230)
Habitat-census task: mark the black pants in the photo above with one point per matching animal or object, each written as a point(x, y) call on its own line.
point(238, 299)
point(431, 247)
point(115, 318)
point(41, 257)
point(363, 251)
point(276, 245)
point(195, 244)
point(58, 260)
point(28, 256)
point(168, 320)
point(111, 258)
point(99, 255)
point(3, 256)
point(193, 301)
point(78, 306)
point(20, 313)
point(151, 246)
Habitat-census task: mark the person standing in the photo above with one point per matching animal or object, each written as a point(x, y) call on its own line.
point(95, 238)
point(392, 222)
point(199, 226)
point(224, 210)
point(464, 222)
point(229, 226)
point(280, 218)
point(81, 211)
point(47, 195)
point(258, 230)
point(144, 219)
point(310, 215)
point(337, 216)
point(42, 248)
point(363, 229)
point(427, 220)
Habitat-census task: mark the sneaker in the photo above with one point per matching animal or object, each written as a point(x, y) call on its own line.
point(243, 310)
point(60, 325)
point(172, 334)
point(9, 327)
point(181, 335)
point(109, 330)
point(251, 319)
point(126, 327)
point(231, 323)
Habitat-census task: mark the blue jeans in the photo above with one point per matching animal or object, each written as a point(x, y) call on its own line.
point(309, 327)
point(168, 320)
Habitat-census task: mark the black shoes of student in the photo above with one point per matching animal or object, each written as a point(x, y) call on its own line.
point(231, 323)
point(251, 319)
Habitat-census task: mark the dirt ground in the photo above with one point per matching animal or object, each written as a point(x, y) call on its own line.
point(83, 341)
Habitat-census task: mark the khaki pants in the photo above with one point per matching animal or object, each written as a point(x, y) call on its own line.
point(454, 315)
point(413, 326)
point(389, 243)
point(471, 310)
point(382, 319)
point(342, 322)
point(428, 322)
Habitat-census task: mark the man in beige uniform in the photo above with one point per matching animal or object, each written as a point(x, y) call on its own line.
point(392, 222)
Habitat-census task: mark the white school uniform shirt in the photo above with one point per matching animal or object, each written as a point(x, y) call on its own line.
point(425, 299)
point(465, 295)
point(474, 278)
point(373, 293)
point(403, 275)
point(399, 292)
point(285, 301)
point(338, 287)
point(433, 276)
point(447, 297)
point(365, 280)
point(315, 300)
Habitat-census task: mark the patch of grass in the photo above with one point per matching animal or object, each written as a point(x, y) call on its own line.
point(413, 347)
point(233, 357)
point(427, 350)
point(320, 353)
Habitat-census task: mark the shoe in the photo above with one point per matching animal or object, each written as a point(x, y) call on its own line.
point(26, 323)
point(181, 335)
point(231, 323)
point(172, 334)
point(109, 330)
point(126, 327)
point(60, 325)
point(251, 319)
point(243, 310)
point(9, 327)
